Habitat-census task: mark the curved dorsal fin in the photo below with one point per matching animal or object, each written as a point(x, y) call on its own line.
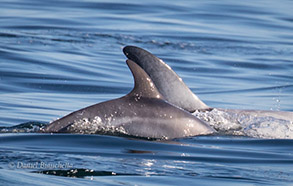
point(169, 84)
point(143, 85)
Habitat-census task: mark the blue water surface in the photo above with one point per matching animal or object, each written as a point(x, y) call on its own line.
point(60, 56)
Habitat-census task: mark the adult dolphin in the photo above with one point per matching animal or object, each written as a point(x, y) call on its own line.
point(142, 113)
point(171, 86)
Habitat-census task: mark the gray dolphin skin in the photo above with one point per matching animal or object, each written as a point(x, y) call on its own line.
point(171, 86)
point(142, 113)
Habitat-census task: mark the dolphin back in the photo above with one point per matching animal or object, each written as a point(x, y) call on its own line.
point(141, 113)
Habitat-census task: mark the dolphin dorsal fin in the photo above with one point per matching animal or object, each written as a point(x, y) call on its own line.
point(169, 84)
point(143, 85)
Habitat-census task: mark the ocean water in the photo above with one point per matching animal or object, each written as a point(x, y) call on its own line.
point(60, 56)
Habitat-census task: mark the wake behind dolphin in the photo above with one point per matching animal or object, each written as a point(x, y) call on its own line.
point(240, 122)
point(142, 113)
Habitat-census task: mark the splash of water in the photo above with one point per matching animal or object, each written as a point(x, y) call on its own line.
point(231, 123)
point(28, 127)
point(95, 126)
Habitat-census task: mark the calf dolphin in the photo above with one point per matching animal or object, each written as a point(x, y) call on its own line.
point(142, 113)
point(171, 86)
